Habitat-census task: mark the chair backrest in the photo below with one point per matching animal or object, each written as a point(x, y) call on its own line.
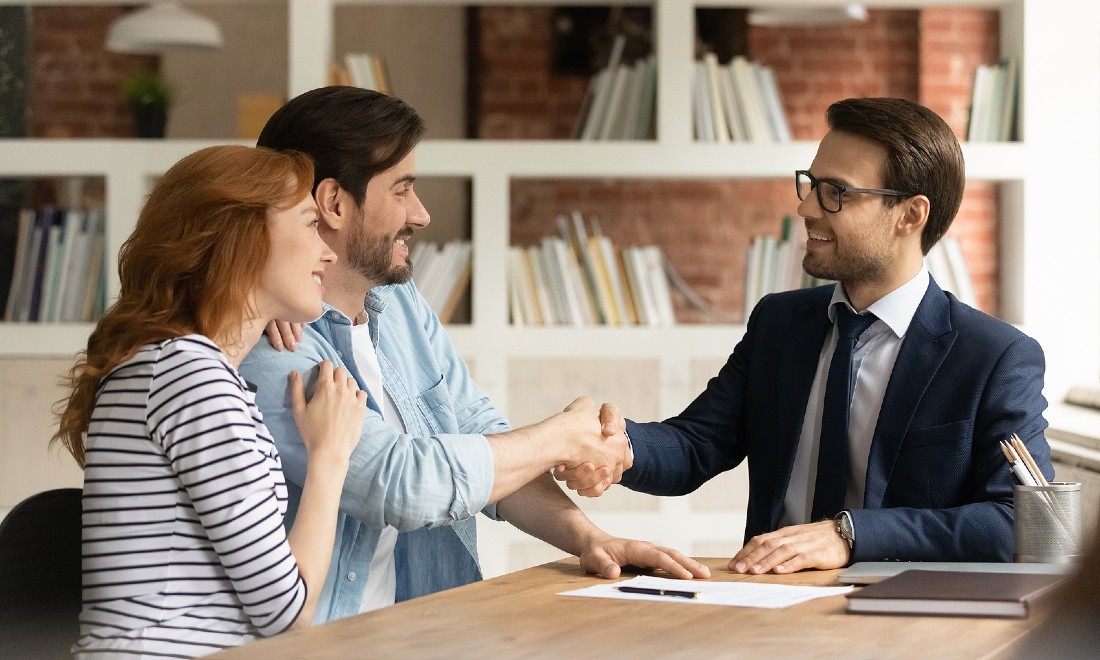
point(40, 575)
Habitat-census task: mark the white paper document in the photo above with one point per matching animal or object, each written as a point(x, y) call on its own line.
point(740, 594)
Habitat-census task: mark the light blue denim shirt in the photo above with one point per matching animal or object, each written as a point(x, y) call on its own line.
point(427, 482)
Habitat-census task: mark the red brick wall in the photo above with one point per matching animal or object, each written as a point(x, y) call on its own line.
point(953, 43)
point(705, 227)
point(519, 98)
point(74, 85)
point(816, 66)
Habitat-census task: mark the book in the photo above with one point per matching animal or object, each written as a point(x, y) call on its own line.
point(95, 295)
point(459, 279)
point(773, 103)
point(521, 289)
point(954, 593)
point(731, 105)
point(704, 123)
point(714, 97)
point(940, 268)
point(607, 264)
point(542, 291)
point(615, 111)
point(756, 122)
point(640, 287)
point(644, 129)
point(597, 115)
point(1008, 107)
point(20, 275)
point(978, 102)
point(578, 237)
point(654, 261)
point(517, 289)
point(870, 572)
point(60, 277)
point(960, 273)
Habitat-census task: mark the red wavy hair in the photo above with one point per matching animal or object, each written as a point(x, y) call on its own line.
point(189, 266)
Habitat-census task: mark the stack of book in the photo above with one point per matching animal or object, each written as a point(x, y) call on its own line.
point(620, 100)
point(58, 271)
point(948, 267)
point(737, 102)
point(993, 102)
point(775, 264)
point(580, 278)
point(441, 273)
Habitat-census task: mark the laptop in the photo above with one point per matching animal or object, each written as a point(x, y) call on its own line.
point(869, 572)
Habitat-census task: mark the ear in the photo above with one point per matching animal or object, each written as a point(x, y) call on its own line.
point(914, 217)
point(333, 202)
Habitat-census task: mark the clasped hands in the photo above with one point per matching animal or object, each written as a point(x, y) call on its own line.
point(606, 453)
point(787, 550)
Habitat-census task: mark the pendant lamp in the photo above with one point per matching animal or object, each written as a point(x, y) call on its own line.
point(807, 16)
point(162, 25)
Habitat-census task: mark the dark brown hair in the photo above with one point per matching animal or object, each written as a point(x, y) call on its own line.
point(351, 133)
point(923, 157)
point(189, 266)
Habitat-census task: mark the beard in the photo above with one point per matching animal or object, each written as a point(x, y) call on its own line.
point(867, 261)
point(373, 257)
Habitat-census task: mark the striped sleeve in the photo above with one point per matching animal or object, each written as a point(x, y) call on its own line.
point(198, 413)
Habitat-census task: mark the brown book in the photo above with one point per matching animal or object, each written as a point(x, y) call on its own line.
point(954, 593)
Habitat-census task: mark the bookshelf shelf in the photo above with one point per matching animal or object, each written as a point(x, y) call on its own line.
point(30, 158)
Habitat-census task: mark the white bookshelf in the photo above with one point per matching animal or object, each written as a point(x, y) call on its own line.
point(1049, 224)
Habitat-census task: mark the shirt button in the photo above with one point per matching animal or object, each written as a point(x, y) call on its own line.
point(352, 576)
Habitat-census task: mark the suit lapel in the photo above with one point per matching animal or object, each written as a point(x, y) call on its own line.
point(927, 343)
point(798, 360)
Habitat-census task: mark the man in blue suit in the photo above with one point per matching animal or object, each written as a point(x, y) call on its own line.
point(933, 385)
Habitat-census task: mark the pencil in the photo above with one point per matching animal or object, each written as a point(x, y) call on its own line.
point(1032, 466)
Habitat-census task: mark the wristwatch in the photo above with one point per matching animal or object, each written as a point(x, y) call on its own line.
point(844, 528)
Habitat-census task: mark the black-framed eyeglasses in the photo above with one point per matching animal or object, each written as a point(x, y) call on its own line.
point(831, 195)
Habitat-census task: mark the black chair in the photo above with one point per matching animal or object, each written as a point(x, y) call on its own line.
point(40, 576)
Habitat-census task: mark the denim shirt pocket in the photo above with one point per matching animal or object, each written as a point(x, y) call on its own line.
point(435, 409)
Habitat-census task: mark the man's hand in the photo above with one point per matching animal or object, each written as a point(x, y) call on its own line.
point(585, 478)
point(607, 555)
point(794, 548)
point(281, 334)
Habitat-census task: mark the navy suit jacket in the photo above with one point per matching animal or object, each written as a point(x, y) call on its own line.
point(938, 487)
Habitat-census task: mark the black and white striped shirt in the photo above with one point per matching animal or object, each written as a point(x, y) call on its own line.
point(184, 550)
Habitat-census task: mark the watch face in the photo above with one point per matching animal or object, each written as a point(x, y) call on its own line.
point(844, 527)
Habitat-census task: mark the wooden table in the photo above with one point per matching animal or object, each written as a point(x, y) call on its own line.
point(519, 615)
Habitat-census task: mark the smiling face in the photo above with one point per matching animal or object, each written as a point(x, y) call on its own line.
point(290, 284)
point(390, 213)
point(856, 246)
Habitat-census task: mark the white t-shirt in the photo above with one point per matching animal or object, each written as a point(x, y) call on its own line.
point(381, 589)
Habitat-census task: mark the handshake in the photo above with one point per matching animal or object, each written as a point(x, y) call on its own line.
point(595, 444)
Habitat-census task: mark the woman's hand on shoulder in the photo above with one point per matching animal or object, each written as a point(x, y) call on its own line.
point(331, 422)
point(281, 334)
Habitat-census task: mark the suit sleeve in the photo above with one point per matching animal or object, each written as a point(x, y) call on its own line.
point(676, 456)
point(981, 527)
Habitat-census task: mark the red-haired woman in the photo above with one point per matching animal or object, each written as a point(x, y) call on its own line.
point(184, 550)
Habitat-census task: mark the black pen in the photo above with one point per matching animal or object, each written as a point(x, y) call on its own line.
point(658, 592)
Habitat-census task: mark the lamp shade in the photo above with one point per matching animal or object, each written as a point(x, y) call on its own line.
point(159, 26)
point(807, 16)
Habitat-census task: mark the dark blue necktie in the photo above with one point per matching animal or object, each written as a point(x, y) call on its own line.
point(832, 451)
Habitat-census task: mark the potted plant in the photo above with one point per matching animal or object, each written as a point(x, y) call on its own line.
point(149, 96)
